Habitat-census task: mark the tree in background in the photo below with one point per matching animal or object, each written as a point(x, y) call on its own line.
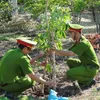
point(5, 11)
point(37, 7)
point(77, 7)
point(14, 8)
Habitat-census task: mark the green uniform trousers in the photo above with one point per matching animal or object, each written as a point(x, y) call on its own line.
point(83, 74)
point(19, 86)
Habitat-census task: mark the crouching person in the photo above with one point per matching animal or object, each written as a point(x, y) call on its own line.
point(16, 73)
point(85, 67)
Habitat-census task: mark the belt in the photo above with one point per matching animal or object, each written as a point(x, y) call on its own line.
point(93, 66)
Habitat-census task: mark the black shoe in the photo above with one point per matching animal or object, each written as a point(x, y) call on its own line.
point(2, 92)
point(93, 82)
point(98, 88)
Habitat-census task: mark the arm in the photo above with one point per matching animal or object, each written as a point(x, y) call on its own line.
point(64, 53)
point(26, 67)
point(40, 80)
point(36, 78)
point(33, 60)
point(43, 63)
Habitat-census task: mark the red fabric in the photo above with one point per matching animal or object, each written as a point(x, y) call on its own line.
point(24, 43)
point(75, 30)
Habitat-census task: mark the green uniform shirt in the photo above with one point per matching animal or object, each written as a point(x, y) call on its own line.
point(85, 52)
point(14, 65)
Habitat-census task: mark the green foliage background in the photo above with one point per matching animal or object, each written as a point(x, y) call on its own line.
point(5, 11)
point(54, 28)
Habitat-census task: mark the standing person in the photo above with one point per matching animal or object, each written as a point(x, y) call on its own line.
point(16, 74)
point(85, 67)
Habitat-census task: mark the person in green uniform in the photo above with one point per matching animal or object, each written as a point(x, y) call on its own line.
point(85, 67)
point(16, 73)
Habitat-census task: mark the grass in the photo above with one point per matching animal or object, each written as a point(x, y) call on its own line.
point(92, 94)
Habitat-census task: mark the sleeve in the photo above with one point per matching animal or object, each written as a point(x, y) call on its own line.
point(79, 48)
point(25, 65)
point(29, 57)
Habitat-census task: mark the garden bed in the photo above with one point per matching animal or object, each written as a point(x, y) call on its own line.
point(64, 87)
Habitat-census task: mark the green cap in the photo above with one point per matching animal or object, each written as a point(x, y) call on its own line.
point(76, 26)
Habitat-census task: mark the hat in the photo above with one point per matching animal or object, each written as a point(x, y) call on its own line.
point(27, 43)
point(75, 28)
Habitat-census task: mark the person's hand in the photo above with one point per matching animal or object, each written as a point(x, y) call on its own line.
point(49, 51)
point(44, 63)
point(40, 55)
point(51, 83)
point(33, 62)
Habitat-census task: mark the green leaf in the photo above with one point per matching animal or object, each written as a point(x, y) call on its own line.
point(48, 68)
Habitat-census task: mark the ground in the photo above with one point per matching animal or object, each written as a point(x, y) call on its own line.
point(64, 87)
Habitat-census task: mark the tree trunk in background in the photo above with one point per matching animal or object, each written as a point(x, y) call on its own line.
point(76, 19)
point(15, 8)
point(97, 14)
point(93, 12)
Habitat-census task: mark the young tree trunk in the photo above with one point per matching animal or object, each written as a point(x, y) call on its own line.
point(52, 36)
point(53, 64)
